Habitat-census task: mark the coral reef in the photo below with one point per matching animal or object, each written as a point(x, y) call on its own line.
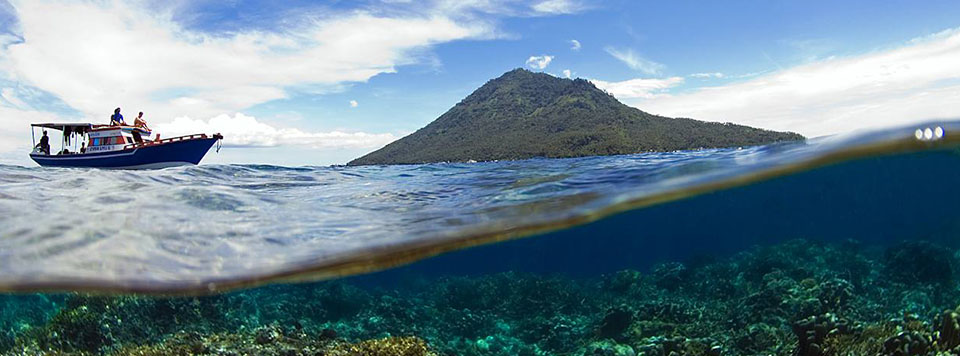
point(812, 333)
point(800, 298)
point(18, 313)
point(907, 343)
point(247, 344)
point(948, 332)
point(919, 262)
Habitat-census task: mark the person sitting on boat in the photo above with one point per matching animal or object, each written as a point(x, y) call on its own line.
point(83, 147)
point(44, 144)
point(116, 119)
point(140, 122)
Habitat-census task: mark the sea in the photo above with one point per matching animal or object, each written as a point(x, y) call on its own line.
point(839, 245)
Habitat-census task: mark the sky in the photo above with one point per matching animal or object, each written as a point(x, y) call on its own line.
point(322, 82)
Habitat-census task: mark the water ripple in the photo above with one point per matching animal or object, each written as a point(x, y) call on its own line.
point(220, 226)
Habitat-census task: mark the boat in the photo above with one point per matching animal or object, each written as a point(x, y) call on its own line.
point(119, 147)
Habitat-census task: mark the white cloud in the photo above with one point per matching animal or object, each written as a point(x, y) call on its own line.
point(10, 97)
point(558, 7)
point(116, 53)
point(243, 130)
point(16, 135)
point(635, 61)
point(567, 74)
point(353, 103)
point(539, 62)
point(506, 7)
point(915, 82)
point(99, 55)
point(717, 75)
point(574, 45)
point(638, 88)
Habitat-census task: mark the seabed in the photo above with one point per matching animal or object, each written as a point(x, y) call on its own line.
point(800, 297)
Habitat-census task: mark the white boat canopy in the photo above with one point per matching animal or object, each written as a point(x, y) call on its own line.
point(84, 126)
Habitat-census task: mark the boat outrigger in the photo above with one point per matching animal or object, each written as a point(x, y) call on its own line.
point(119, 146)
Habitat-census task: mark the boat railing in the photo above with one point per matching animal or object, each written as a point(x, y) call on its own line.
point(166, 140)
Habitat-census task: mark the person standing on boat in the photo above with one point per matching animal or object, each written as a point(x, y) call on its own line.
point(116, 119)
point(140, 124)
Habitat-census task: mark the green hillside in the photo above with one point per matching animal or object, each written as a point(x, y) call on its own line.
point(523, 114)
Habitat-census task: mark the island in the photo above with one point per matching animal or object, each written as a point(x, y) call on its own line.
point(523, 114)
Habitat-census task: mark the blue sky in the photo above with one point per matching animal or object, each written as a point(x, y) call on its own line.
point(307, 82)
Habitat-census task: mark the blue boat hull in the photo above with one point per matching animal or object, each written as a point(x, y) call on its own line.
point(170, 154)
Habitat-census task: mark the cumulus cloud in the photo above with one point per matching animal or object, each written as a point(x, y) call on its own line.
point(539, 62)
point(96, 55)
point(247, 131)
point(353, 103)
point(638, 88)
point(635, 61)
point(574, 45)
point(121, 53)
point(914, 82)
point(567, 74)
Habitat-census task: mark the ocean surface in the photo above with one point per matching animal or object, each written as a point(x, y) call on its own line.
point(842, 245)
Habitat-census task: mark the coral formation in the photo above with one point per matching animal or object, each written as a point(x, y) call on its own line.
point(919, 261)
point(813, 331)
point(251, 344)
point(800, 298)
point(907, 343)
point(947, 336)
point(392, 346)
point(615, 323)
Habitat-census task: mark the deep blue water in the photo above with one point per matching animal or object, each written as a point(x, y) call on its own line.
point(874, 202)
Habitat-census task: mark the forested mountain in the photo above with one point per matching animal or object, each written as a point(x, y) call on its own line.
point(523, 114)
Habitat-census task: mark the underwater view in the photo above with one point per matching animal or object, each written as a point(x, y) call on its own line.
point(843, 245)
